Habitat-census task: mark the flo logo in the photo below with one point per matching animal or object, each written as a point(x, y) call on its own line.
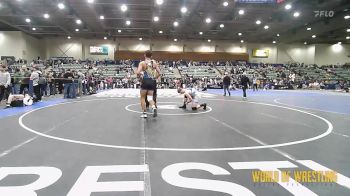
point(324, 14)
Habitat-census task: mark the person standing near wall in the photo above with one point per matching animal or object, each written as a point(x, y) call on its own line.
point(5, 82)
point(245, 83)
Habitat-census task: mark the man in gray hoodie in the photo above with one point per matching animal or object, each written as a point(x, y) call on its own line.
point(5, 81)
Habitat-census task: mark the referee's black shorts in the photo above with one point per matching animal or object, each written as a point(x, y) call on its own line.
point(149, 84)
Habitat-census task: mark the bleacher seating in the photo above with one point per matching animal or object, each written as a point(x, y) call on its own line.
point(198, 72)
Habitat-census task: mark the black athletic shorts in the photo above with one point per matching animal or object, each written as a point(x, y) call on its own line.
point(149, 84)
point(17, 103)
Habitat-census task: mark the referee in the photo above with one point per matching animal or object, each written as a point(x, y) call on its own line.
point(245, 83)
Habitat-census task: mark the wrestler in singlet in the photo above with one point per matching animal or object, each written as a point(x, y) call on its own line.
point(148, 71)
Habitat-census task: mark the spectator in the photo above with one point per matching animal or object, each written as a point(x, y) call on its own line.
point(69, 90)
point(5, 82)
point(81, 78)
point(51, 82)
point(17, 76)
point(255, 84)
point(43, 84)
point(35, 77)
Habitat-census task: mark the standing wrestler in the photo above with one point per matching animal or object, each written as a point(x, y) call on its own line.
point(149, 72)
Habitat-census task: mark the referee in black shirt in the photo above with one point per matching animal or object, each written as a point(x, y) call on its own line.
point(245, 83)
point(227, 82)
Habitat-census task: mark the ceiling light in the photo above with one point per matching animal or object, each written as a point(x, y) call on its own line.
point(176, 24)
point(159, 2)
point(309, 28)
point(278, 34)
point(102, 17)
point(156, 19)
point(258, 22)
point(273, 42)
point(339, 43)
point(119, 31)
point(61, 6)
point(201, 33)
point(105, 38)
point(347, 17)
point(241, 12)
point(209, 40)
point(239, 34)
point(183, 10)
point(78, 21)
point(222, 26)
point(225, 3)
point(128, 22)
point(266, 27)
point(140, 38)
point(161, 32)
point(175, 40)
point(69, 37)
point(242, 41)
point(208, 20)
point(34, 29)
point(77, 30)
point(348, 30)
point(347, 37)
point(288, 6)
point(90, 1)
point(123, 8)
point(313, 36)
point(46, 16)
point(28, 20)
point(305, 43)
point(296, 14)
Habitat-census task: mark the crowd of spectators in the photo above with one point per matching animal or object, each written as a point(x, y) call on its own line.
point(75, 78)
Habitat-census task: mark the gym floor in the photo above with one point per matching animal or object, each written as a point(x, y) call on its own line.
point(306, 130)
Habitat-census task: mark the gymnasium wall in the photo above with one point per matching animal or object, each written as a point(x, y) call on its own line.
point(34, 47)
point(59, 47)
point(332, 54)
point(296, 53)
point(21, 45)
point(278, 53)
point(174, 56)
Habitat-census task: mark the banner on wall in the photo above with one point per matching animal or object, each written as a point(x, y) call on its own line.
point(261, 53)
point(99, 50)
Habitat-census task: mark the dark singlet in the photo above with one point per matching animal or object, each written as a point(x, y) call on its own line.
point(149, 76)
